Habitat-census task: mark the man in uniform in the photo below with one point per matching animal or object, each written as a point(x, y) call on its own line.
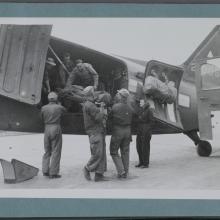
point(84, 75)
point(46, 87)
point(121, 134)
point(63, 74)
point(144, 120)
point(51, 116)
point(94, 122)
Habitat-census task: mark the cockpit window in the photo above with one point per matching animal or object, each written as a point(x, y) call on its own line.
point(210, 74)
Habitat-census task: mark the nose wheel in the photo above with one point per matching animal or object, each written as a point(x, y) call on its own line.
point(204, 148)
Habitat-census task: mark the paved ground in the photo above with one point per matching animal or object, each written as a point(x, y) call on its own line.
point(174, 164)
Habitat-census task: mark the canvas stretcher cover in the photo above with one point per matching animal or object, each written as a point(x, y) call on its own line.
point(165, 93)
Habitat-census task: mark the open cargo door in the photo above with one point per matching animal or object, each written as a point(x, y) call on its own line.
point(165, 110)
point(23, 50)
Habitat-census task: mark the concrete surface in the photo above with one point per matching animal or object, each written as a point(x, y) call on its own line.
point(174, 164)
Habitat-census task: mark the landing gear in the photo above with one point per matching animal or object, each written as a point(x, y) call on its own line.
point(204, 148)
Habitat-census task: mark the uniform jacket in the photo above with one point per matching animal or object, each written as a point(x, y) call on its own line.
point(145, 115)
point(51, 113)
point(84, 75)
point(93, 118)
point(121, 114)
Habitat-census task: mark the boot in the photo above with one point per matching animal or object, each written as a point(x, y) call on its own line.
point(99, 177)
point(86, 174)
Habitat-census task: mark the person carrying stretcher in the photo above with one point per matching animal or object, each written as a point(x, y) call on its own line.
point(83, 75)
point(163, 91)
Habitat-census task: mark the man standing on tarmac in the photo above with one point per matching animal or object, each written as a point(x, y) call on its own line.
point(144, 120)
point(51, 116)
point(95, 122)
point(121, 134)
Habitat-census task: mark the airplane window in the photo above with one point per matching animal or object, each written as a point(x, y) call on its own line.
point(210, 73)
point(184, 100)
point(132, 85)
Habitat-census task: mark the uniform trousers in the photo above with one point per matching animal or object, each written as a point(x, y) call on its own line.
point(52, 147)
point(121, 138)
point(143, 143)
point(97, 162)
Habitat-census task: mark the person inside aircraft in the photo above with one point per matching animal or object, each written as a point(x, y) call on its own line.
point(63, 74)
point(119, 77)
point(84, 75)
point(157, 86)
point(46, 87)
point(154, 72)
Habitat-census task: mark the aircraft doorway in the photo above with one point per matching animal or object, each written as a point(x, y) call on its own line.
point(112, 71)
point(161, 85)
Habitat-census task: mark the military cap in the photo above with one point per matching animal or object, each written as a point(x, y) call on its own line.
point(52, 96)
point(78, 61)
point(66, 54)
point(123, 92)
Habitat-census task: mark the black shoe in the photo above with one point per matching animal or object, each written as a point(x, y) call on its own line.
point(99, 177)
point(144, 166)
point(138, 165)
point(86, 174)
point(56, 176)
point(122, 176)
point(45, 174)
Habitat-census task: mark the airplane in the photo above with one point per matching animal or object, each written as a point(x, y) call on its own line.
point(25, 48)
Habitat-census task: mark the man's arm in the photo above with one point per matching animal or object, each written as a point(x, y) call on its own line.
point(94, 75)
point(71, 79)
point(41, 114)
point(46, 81)
point(151, 117)
point(95, 113)
point(62, 76)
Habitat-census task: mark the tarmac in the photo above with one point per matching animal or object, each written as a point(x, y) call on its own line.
point(174, 164)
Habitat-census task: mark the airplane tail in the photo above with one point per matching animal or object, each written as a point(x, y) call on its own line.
point(203, 68)
point(208, 48)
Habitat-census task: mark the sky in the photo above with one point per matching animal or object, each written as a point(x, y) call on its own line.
point(170, 40)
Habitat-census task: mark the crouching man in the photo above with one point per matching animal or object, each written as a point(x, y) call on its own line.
point(51, 116)
point(94, 122)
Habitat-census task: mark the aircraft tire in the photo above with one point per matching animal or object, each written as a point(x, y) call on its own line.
point(204, 149)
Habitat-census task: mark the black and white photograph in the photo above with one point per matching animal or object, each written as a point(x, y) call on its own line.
point(110, 107)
